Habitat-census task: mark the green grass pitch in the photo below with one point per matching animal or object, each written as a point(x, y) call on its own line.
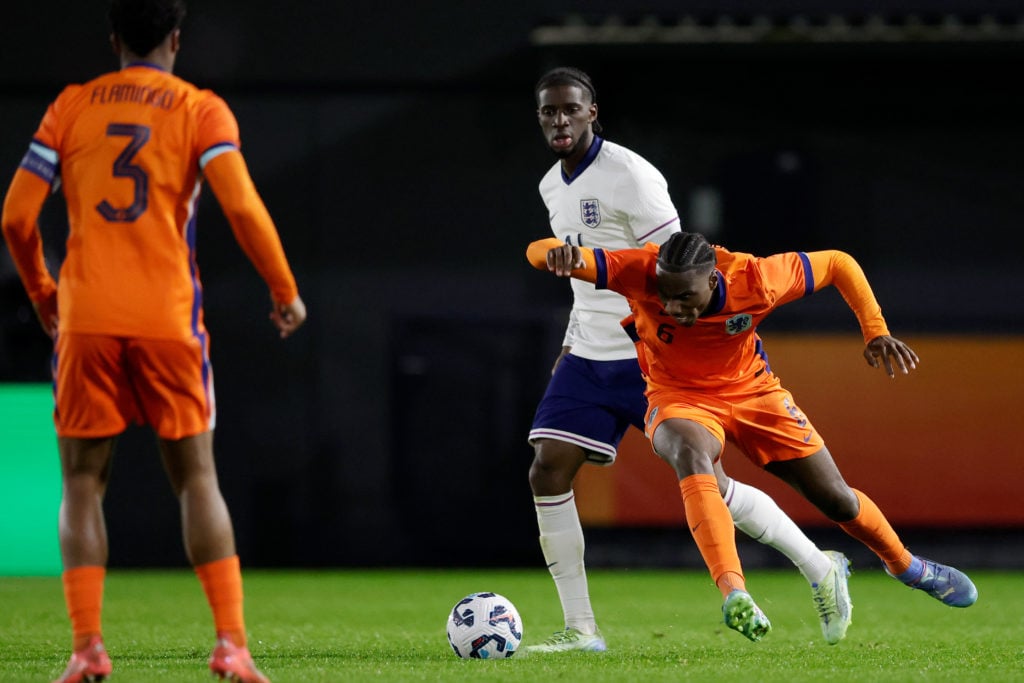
point(388, 625)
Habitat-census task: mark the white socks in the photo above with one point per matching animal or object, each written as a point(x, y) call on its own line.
point(561, 540)
point(753, 512)
point(757, 515)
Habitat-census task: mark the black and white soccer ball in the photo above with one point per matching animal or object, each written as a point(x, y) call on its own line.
point(484, 626)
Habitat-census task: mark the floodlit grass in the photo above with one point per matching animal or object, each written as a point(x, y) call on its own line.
point(388, 625)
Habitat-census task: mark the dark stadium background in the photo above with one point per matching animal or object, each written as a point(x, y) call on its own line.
point(398, 151)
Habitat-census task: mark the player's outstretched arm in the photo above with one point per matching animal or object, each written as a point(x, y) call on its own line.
point(882, 350)
point(890, 353)
point(842, 271)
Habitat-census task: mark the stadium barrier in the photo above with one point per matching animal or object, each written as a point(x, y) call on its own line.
point(936, 448)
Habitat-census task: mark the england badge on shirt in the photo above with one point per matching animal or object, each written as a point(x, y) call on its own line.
point(590, 212)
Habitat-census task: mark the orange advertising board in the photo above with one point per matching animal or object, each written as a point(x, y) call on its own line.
point(937, 448)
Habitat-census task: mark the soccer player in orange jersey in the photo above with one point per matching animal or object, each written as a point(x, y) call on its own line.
point(695, 309)
point(130, 150)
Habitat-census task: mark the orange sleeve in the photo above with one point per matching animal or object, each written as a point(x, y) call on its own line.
point(215, 124)
point(254, 229)
point(24, 201)
point(537, 255)
point(841, 270)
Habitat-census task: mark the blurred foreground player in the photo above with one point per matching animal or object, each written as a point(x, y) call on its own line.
point(129, 150)
point(695, 310)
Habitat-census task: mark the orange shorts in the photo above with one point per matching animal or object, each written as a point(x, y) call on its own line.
point(766, 424)
point(104, 383)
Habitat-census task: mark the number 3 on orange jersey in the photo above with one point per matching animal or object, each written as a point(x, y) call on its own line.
point(124, 168)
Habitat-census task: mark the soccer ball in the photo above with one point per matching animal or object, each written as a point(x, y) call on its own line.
point(484, 626)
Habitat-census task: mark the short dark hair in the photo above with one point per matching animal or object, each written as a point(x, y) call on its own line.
point(142, 25)
point(568, 75)
point(686, 251)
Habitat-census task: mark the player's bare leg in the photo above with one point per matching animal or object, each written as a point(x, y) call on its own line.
point(210, 543)
point(205, 520)
point(85, 471)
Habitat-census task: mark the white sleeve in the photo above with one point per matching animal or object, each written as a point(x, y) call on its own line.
point(652, 215)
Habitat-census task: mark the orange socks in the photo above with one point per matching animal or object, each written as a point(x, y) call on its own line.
point(221, 580)
point(712, 529)
point(871, 528)
point(83, 594)
point(222, 583)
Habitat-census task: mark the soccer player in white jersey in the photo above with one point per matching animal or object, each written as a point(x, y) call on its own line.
point(600, 194)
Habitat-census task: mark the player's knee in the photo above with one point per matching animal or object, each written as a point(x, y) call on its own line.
point(686, 459)
point(554, 467)
point(839, 505)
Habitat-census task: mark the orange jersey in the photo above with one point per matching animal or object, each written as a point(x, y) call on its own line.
point(721, 352)
point(128, 149)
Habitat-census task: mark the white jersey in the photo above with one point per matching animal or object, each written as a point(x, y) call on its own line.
point(615, 200)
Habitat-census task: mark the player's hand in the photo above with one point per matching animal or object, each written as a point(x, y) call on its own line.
point(288, 317)
point(46, 312)
point(562, 260)
point(891, 353)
